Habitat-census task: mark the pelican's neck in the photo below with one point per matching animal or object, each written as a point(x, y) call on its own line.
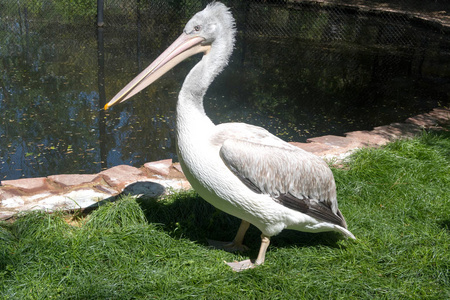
point(190, 100)
point(194, 88)
point(191, 114)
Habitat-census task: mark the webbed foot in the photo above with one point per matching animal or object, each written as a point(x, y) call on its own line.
point(238, 266)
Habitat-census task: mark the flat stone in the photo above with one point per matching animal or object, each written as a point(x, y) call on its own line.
point(67, 180)
point(74, 200)
point(107, 190)
point(29, 185)
point(12, 202)
point(315, 148)
point(441, 115)
point(175, 185)
point(5, 214)
point(335, 141)
point(367, 138)
point(397, 130)
point(6, 194)
point(120, 176)
point(176, 171)
point(340, 147)
point(161, 167)
point(38, 196)
point(423, 120)
point(177, 167)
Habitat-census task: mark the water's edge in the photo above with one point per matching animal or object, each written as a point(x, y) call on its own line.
point(72, 192)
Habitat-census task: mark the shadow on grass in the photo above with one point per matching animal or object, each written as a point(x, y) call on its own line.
point(187, 215)
point(439, 139)
point(138, 189)
point(445, 224)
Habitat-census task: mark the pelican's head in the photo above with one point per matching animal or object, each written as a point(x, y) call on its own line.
point(213, 23)
point(210, 29)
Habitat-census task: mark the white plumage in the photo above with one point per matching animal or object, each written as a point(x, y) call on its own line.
point(239, 168)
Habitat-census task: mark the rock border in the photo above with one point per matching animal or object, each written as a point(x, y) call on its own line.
point(69, 192)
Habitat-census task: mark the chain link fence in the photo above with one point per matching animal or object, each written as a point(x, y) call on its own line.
point(364, 24)
point(278, 18)
point(373, 23)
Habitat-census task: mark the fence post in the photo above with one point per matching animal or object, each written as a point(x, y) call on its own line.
point(100, 6)
point(101, 98)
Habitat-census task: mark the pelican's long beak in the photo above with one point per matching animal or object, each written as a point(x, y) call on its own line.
point(183, 47)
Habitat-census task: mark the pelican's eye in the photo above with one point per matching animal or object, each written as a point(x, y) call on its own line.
point(197, 28)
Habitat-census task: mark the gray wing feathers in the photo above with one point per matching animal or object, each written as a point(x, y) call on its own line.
point(313, 208)
point(293, 177)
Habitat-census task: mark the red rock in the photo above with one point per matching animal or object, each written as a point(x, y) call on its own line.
point(29, 185)
point(106, 190)
point(6, 194)
point(120, 176)
point(441, 115)
point(73, 179)
point(315, 148)
point(177, 167)
point(397, 130)
point(438, 116)
point(335, 141)
point(338, 145)
point(161, 167)
point(423, 120)
point(5, 214)
point(367, 138)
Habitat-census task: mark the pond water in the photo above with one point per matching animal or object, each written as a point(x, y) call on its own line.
point(55, 78)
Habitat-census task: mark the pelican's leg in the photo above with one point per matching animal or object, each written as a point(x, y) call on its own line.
point(265, 242)
point(248, 264)
point(237, 243)
point(239, 238)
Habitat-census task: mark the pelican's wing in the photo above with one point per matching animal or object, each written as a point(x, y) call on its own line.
point(291, 176)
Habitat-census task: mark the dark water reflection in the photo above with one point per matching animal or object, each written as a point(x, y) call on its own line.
point(53, 80)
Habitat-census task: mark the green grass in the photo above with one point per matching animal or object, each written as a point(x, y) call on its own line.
point(396, 201)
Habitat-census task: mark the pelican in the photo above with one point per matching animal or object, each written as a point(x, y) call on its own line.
point(239, 168)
